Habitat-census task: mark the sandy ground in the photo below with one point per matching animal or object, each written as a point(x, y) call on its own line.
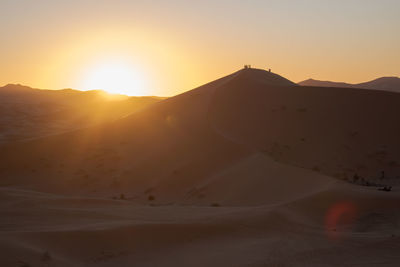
point(342, 225)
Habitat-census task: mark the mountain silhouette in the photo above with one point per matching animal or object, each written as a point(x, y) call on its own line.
point(383, 83)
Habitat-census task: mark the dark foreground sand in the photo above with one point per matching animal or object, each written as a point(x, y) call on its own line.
point(341, 225)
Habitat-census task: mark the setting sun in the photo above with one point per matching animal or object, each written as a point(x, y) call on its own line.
point(116, 77)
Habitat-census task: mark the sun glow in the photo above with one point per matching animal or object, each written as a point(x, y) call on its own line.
point(116, 77)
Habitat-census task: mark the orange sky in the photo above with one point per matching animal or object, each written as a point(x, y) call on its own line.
point(173, 46)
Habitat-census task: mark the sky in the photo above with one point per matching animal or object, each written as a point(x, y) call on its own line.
point(167, 47)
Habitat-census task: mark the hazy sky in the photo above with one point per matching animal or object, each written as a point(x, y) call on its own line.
point(173, 46)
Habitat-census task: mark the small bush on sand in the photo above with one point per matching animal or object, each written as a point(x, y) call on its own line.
point(316, 169)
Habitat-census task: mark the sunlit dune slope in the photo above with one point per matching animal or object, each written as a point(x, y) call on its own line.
point(27, 113)
point(218, 143)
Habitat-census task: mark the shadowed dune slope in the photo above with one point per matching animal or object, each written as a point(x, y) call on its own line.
point(337, 131)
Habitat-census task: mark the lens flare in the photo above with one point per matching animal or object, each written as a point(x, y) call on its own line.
point(339, 214)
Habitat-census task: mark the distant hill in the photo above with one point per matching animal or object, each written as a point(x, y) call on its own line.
point(385, 83)
point(27, 113)
point(317, 83)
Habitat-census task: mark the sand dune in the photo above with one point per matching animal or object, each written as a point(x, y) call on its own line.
point(336, 131)
point(238, 172)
